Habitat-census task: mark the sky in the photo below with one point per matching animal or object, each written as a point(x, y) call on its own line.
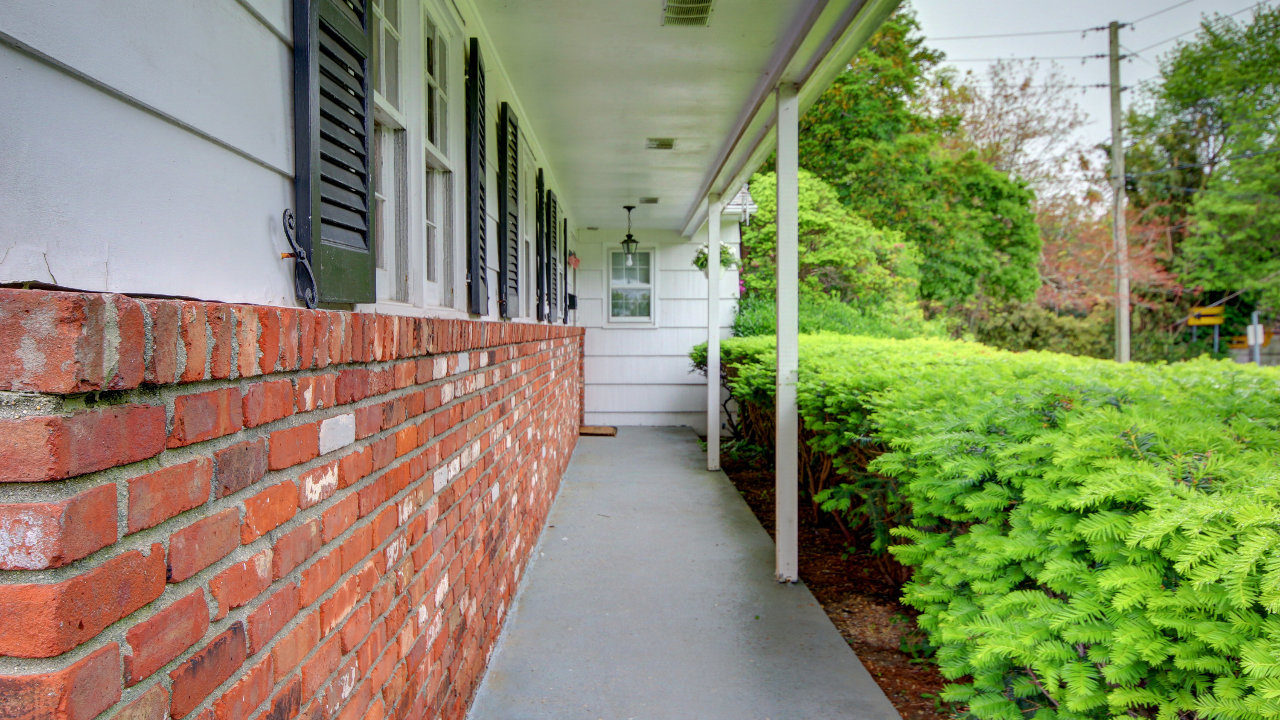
point(1153, 21)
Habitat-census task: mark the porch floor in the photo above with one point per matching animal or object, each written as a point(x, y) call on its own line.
point(651, 595)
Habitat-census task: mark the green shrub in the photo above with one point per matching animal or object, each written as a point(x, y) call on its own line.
point(757, 315)
point(1090, 540)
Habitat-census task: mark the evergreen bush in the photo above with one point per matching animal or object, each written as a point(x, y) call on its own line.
point(1090, 540)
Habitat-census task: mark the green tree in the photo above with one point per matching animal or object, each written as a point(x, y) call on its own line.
point(888, 161)
point(841, 254)
point(1213, 118)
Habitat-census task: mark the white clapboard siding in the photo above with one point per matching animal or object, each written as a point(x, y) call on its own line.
point(693, 314)
point(641, 375)
point(214, 66)
point(657, 342)
point(640, 370)
point(645, 398)
point(275, 14)
point(150, 196)
point(695, 420)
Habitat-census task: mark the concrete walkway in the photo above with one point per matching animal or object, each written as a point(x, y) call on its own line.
point(651, 596)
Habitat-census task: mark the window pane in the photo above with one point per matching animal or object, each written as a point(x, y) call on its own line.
point(431, 50)
point(391, 69)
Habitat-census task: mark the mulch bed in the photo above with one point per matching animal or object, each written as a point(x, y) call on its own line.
point(860, 593)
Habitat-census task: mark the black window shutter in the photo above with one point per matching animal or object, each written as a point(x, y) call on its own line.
point(540, 241)
point(333, 132)
point(508, 212)
point(553, 257)
point(564, 271)
point(477, 289)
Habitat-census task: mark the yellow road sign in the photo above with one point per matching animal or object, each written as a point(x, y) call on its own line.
point(1205, 316)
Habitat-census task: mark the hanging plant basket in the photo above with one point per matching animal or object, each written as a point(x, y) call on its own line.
point(727, 259)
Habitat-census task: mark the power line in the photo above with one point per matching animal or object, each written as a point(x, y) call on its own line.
point(1160, 12)
point(1131, 53)
point(1033, 57)
point(1191, 166)
point(1033, 33)
point(1196, 29)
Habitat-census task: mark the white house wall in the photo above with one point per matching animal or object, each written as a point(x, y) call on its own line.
point(642, 375)
point(159, 159)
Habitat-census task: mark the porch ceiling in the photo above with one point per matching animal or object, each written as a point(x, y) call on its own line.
point(599, 78)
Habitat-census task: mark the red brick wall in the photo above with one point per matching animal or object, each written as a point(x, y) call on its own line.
point(228, 511)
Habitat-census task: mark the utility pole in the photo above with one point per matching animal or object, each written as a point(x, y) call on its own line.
point(1118, 229)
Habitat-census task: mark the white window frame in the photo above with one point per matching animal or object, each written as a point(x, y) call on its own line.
point(393, 278)
point(611, 249)
point(443, 267)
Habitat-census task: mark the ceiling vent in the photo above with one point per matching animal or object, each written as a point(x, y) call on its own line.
point(660, 144)
point(686, 13)
point(648, 201)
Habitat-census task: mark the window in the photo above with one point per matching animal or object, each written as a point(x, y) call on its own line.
point(528, 225)
point(441, 267)
point(390, 157)
point(390, 203)
point(435, 66)
point(630, 287)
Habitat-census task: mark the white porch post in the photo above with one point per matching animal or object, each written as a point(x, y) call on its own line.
point(714, 207)
point(787, 420)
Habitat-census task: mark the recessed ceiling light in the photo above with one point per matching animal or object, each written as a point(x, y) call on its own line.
point(660, 143)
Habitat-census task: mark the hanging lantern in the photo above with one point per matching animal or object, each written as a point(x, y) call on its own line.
point(629, 243)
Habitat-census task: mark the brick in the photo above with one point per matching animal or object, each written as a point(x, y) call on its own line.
point(59, 342)
point(292, 446)
point(271, 616)
point(296, 547)
point(355, 467)
point(200, 674)
point(317, 669)
point(164, 636)
point(43, 448)
point(204, 416)
point(340, 517)
point(268, 339)
point(353, 385)
point(356, 627)
point(250, 691)
point(192, 328)
point(295, 645)
point(162, 356)
point(286, 703)
point(158, 496)
point(38, 536)
point(242, 582)
point(313, 393)
point(247, 331)
point(219, 317)
point(337, 432)
point(150, 705)
point(267, 401)
point(240, 466)
point(290, 342)
point(203, 543)
point(80, 691)
point(319, 577)
point(268, 510)
point(128, 344)
point(45, 620)
point(368, 421)
point(317, 484)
